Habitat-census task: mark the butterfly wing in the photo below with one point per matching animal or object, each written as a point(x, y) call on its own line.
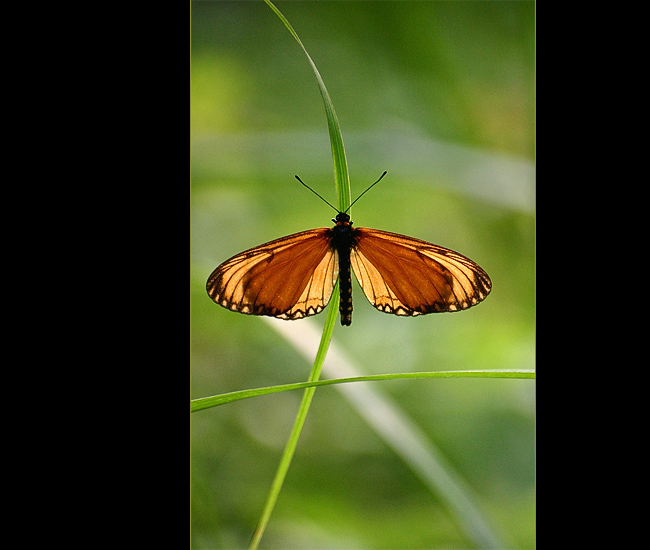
point(288, 278)
point(407, 276)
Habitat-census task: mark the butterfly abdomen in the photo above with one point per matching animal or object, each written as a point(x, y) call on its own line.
point(345, 287)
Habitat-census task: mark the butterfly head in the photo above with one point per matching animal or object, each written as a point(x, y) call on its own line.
point(342, 219)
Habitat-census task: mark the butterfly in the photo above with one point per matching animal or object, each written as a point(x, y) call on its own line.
point(294, 276)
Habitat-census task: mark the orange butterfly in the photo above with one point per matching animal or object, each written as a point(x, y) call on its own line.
point(294, 276)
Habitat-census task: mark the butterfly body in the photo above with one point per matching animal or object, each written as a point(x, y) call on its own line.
point(294, 276)
point(342, 241)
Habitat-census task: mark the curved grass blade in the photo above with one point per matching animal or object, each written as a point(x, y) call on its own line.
point(341, 176)
point(342, 182)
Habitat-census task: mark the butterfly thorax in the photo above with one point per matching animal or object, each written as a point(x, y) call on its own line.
point(343, 235)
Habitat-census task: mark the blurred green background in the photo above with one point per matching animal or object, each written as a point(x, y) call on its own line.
point(442, 95)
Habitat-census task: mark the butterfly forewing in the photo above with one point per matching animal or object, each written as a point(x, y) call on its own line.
point(407, 276)
point(289, 278)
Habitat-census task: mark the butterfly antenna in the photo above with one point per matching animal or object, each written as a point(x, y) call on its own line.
point(369, 188)
point(314, 192)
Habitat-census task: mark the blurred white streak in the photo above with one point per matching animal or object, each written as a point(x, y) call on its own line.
point(505, 180)
point(393, 425)
point(495, 177)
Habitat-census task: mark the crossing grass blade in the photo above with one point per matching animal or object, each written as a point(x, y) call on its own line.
point(203, 403)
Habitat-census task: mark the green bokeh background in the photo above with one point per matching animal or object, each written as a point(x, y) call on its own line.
point(442, 95)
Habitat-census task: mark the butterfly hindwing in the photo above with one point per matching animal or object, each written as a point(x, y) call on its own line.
point(288, 278)
point(407, 276)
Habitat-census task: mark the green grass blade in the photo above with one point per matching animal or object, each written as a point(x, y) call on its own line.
point(203, 403)
point(342, 182)
point(341, 176)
